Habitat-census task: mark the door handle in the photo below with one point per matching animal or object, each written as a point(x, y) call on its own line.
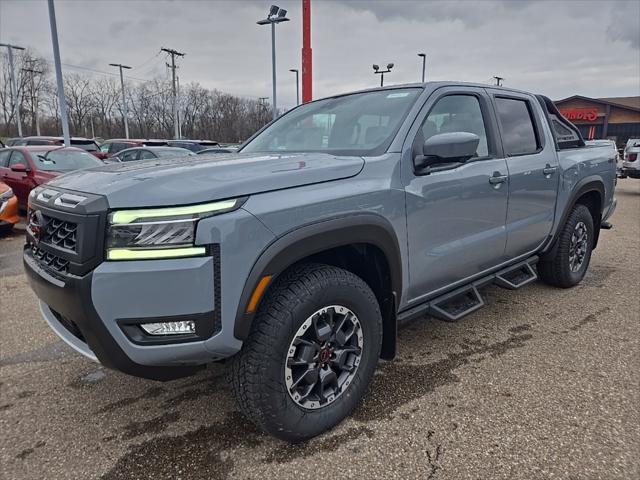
point(549, 170)
point(497, 179)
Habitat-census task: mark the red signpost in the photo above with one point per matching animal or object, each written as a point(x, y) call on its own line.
point(307, 78)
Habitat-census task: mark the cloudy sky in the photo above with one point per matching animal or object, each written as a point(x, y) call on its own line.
point(590, 48)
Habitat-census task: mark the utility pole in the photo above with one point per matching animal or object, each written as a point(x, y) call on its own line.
point(34, 97)
point(12, 84)
point(56, 58)
point(178, 110)
point(125, 113)
point(174, 54)
point(498, 80)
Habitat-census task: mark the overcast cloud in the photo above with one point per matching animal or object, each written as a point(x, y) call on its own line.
point(590, 48)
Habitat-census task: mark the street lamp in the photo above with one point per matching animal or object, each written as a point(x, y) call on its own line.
point(294, 70)
point(376, 70)
point(424, 63)
point(124, 101)
point(276, 15)
point(12, 84)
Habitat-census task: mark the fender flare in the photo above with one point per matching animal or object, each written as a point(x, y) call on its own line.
point(589, 184)
point(315, 238)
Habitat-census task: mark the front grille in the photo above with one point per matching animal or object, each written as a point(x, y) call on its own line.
point(60, 233)
point(50, 261)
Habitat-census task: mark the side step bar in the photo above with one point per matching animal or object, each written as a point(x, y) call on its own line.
point(451, 307)
point(515, 277)
point(454, 305)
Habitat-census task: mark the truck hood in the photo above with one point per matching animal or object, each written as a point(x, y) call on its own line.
point(204, 178)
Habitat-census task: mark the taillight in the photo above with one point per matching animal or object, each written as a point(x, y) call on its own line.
point(632, 157)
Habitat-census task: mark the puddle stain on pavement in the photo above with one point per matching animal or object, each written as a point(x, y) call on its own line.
point(198, 454)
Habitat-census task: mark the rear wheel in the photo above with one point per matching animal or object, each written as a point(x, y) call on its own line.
point(567, 265)
point(311, 352)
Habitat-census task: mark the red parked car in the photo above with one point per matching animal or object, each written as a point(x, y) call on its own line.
point(84, 143)
point(24, 168)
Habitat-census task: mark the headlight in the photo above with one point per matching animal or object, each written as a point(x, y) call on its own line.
point(160, 232)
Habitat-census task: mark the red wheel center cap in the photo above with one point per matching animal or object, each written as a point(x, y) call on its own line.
point(325, 355)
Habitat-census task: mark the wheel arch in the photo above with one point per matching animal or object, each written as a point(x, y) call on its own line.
point(345, 242)
point(590, 192)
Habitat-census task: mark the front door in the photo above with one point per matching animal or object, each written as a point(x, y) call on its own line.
point(456, 216)
point(533, 171)
point(20, 182)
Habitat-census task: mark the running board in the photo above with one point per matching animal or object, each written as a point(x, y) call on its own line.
point(451, 307)
point(516, 276)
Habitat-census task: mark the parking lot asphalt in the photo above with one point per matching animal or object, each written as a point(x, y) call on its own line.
point(542, 383)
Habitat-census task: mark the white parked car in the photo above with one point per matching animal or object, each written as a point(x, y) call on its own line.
point(630, 160)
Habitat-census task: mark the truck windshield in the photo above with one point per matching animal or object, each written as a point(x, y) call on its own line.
point(357, 124)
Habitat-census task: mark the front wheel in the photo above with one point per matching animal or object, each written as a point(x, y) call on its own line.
point(311, 352)
point(568, 263)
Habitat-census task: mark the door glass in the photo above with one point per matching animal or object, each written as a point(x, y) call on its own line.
point(518, 131)
point(129, 156)
point(4, 157)
point(456, 113)
point(146, 155)
point(16, 158)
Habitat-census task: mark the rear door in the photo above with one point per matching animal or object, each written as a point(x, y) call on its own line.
point(455, 216)
point(533, 167)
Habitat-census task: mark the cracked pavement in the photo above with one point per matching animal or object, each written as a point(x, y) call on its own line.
point(541, 383)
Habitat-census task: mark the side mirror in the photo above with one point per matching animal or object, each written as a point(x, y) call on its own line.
point(447, 148)
point(20, 167)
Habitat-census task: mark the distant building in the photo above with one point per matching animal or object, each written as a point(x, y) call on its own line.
point(615, 118)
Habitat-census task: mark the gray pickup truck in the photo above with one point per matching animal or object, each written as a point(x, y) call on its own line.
point(297, 258)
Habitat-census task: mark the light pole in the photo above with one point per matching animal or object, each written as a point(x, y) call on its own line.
point(12, 84)
point(276, 15)
point(498, 81)
point(125, 114)
point(294, 70)
point(376, 70)
point(424, 64)
point(56, 59)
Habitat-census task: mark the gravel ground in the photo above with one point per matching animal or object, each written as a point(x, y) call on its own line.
point(541, 383)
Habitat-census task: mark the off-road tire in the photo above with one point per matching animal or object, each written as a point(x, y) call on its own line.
point(257, 372)
point(554, 268)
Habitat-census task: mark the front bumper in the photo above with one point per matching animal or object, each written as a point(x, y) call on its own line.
point(98, 314)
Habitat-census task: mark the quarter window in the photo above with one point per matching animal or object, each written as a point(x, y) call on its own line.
point(518, 131)
point(456, 113)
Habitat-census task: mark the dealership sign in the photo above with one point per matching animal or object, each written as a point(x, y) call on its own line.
point(587, 114)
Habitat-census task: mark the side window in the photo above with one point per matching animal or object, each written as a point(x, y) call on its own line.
point(4, 157)
point(16, 158)
point(456, 113)
point(518, 131)
point(146, 155)
point(129, 156)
